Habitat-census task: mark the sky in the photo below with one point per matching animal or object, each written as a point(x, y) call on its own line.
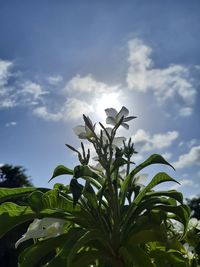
point(60, 59)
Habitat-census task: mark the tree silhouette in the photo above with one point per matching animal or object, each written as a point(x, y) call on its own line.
point(194, 205)
point(13, 176)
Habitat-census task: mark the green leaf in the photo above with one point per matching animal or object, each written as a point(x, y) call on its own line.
point(61, 257)
point(85, 258)
point(89, 193)
point(35, 201)
point(76, 190)
point(171, 194)
point(158, 178)
point(12, 215)
point(144, 236)
point(54, 200)
point(61, 170)
point(82, 171)
point(153, 159)
point(136, 256)
point(169, 258)
point(118, 162)
point(32, 255)
point(181, 212)
point(89, 236)
point(13, 193)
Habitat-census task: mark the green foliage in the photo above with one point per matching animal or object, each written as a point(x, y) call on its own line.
point(111, 220)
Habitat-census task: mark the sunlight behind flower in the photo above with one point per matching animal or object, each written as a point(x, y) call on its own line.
point(106, 101)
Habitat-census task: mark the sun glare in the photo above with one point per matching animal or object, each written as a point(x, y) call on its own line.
point(110, 100)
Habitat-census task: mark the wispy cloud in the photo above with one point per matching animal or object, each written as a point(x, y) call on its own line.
point(164, 83)
point(185, 111)
point(55, 79)
point(43, 113)
point(88, 84)
point(72, 109)
point(32, 91)
point(11, 124)
point(189, 159)
point(183, 183)
point(18, 92)
point(6, 99)
point(146, 142)
point(5, 67)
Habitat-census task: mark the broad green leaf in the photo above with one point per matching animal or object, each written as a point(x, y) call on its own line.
point(171, 194)
point(153, 159)
point(144, 236)
point(118, 162)
point(13, 193)
point(12, 215)
point(54, 200)
point(158, 178)
point(181, 212)
point(82, 171)
point(32, 255)
point(136, 256)
point(90, 194)
point(169, 258)
point(85, 258)
point(61, 257)
point(93, 235)
point(35, 202)
point(76, 190)
point(61, 170)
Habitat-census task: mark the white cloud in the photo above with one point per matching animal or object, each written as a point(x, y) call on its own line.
point(54, 80)
point(147, 142)
point(184, 182)
point(4, 74)
point(167, 155)
point(88, 84)
point(10, 124)
point(72, 109)
point(6, 100)
point(189, 159)
point(34, 90)
point(42, 112)
point(185, 111)
point(165, 83)
point(75, 108)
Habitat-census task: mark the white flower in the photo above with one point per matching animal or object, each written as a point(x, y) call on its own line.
point(46, 227)
point(193, 223)
point(83, 131)
point(117, 141)
point(113, 117)
point(189, 251)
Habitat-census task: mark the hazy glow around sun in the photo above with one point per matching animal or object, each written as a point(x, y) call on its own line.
point(107, 100)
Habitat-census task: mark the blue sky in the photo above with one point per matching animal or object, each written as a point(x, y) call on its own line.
point(59, 59)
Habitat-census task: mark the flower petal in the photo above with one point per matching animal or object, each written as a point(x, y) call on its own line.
point(125, 125)
point(22, 239)
point(123, 112)
point(110, 120)
point(118, 141)
point(129, 118)
point(79, 129)
point(111, 112)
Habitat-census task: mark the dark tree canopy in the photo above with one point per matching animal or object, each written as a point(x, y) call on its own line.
point(194, 205)
point(13, 176)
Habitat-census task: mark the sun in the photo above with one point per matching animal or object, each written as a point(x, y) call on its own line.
point(107, 100)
